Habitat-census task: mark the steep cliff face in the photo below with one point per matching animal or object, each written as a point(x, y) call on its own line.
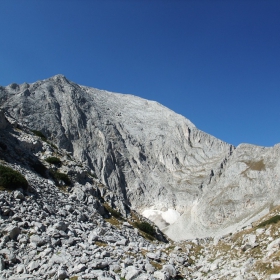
point(150, 157)
point(246, 189)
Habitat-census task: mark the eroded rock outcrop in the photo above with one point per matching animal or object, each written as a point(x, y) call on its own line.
point(151, 158)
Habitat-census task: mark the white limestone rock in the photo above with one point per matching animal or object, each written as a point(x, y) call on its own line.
point(151, 158)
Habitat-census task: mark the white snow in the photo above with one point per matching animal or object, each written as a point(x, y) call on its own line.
point(170, 216)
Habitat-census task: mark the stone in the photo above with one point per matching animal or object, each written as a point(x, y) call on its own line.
point(149, 268)
point(79, 268)
point(131, 273)
point(161, 275)
point(62, 273)
point(12, 231)
point(18, 195)
point(21, 269)
point(170, 269)
point(153, 256)
point(92, 237)
point(33, 265)
point(122, 242)
point(38, 240)
point(60, 226)
point(2, 264)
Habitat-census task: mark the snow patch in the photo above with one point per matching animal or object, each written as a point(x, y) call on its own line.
point(169, 217)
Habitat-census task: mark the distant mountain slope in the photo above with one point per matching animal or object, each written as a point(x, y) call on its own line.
point(150, 157)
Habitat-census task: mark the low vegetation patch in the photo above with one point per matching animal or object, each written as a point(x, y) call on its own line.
point(53, 160)
point(146, 227)
point(11, 179)
point(40, 134)
point(113, 221)
point(39, 168)
point(64, 177)
point(112, 211)
point(270, 221)
point(58, 176)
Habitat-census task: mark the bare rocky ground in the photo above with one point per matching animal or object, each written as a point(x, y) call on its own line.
point(68, 230)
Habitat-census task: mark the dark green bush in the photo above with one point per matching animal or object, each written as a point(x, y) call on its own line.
point(11, 179)
point(112, 211)
point(3, 146)
point(60, 176)
point(14, 86)
point(52, 145)
point(272, 220)
point(39, 134)
point(53, 160)
point(39, 168)
point(146, 227)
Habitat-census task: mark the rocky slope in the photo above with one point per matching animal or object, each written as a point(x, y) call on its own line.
point(150, 158)
point(58, 228)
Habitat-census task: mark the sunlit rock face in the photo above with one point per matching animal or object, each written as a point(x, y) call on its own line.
point(191, 183)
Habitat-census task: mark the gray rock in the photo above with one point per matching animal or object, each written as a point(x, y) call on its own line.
point(33, 266)
point(12, 231)
point(79, 268)
point(162, 275)
point(131, 273)
point(62, 273)
point(18, 195)
point(60, 226)
point(149, 268)
point(122, 242)
point(170, 269)
point(38, 240)
point(21, 269)
point(153, 256)
point(2, 264)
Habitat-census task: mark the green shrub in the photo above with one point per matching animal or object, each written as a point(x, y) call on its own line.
point(39, 134)
point(60, 176)
point(52, 145)
point(3, 146)
point(14, 86)
point(11, 179)
point(53, 160)
point(39, 168)
point(272, 220)
point(112, 211)
point(146, 227)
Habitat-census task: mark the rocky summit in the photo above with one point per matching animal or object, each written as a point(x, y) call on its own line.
point(100, 185)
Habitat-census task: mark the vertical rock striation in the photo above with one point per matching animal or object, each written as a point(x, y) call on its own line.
point(152, 159)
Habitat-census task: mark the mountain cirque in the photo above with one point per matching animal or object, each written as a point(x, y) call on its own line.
point(116, 157)
point(152, 159)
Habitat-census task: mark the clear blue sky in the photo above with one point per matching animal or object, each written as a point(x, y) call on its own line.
point(215, 62)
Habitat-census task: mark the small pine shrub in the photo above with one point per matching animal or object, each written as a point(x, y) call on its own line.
point(52, 145)
point(14, 86)
point(39, 168)
point(3, 146)
point(146, 227)
point(11, 179)
point(272, 220)
point(40, 134)
point(60, 176)
point(112, 211)
point(53, 160)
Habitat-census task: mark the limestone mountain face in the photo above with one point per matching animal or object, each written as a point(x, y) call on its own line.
point(152, 159)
